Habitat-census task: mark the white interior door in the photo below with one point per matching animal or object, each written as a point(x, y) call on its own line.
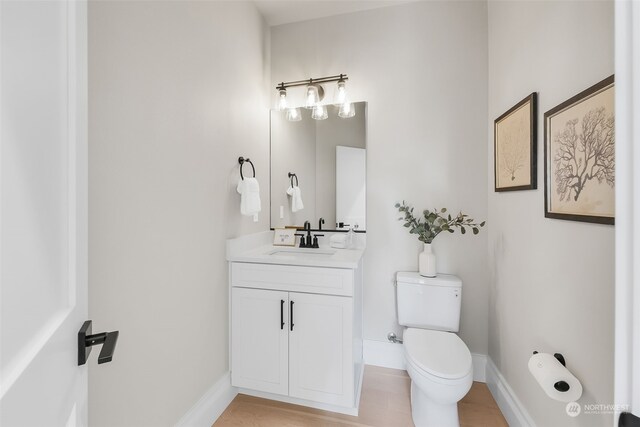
point(259, 340)
point(320, 349)
point(627, 344)
point(351, 188)
point(43, 212)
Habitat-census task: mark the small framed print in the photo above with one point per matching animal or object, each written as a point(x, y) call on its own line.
point(515, 155)
point(284, 237)
point(579, 156)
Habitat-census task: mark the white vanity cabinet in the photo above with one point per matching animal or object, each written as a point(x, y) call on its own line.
point(320, 350)
point(260, 340)
point(296, 333)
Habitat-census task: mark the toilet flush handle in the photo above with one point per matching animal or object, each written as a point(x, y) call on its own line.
point(391, 336)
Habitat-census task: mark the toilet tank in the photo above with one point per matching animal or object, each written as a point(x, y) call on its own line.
point(429, 302)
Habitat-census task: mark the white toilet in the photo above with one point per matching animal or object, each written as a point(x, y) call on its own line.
point(438, 361)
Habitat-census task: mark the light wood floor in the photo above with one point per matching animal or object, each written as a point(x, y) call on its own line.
point(385, 402)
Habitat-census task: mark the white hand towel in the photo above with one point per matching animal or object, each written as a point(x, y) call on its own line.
point(249, 190)
point(296, 198)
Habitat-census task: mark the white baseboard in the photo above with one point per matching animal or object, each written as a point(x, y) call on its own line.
point(385, 354)
point(390, 355)
point(512, 409)
point(479, 367)
point(211, 405)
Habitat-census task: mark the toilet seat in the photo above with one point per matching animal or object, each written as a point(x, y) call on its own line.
point(438, 354)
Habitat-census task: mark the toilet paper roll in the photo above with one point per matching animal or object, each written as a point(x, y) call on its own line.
point(554, 378)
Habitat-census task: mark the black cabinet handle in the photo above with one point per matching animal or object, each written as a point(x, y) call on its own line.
point(291, 314)
point(281, 314)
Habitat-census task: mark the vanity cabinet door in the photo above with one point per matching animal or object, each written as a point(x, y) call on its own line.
point(320, 349)
point(259, 340)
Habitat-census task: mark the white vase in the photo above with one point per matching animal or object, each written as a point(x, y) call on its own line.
point(427, 261)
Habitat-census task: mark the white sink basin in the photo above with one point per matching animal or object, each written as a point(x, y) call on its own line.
point(301, 252)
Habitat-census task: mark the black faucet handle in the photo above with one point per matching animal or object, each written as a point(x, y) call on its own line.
point(303, 244)
point(315, 244)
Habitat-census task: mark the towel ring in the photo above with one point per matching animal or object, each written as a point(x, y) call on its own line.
point(291, 176)
point(242, 160)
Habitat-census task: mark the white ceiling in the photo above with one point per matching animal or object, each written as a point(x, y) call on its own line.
point(277, 12)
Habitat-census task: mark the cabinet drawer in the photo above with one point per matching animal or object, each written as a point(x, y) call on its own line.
point(316, 280)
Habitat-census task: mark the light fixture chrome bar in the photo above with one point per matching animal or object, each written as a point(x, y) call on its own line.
point(307, 82)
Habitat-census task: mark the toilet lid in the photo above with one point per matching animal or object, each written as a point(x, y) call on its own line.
point(442, 354)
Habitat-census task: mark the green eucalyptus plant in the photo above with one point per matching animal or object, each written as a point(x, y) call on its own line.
point(435, 222)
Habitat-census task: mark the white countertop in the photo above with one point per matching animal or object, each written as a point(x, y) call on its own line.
point(259, 252)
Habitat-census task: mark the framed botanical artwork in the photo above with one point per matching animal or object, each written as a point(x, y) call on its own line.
point(515, 147)
point(579, 156)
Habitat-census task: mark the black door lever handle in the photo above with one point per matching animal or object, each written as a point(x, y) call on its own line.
point(627, 419)
point(86, 340)
point(108, 347)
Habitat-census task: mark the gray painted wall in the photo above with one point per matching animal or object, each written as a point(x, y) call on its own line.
point(552, 281)
point(422, 68)
point(177, 91)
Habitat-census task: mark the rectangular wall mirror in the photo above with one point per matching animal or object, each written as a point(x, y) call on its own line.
point(328, 158)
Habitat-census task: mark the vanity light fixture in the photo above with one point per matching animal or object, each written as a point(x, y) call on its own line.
point(293, 114)
point(319, 112)
point(314, 95)
point(346, 110)
point(282, 100)
point(341, 93)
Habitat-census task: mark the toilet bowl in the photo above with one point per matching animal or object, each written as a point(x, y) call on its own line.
point(438, 361)
point(441, 371)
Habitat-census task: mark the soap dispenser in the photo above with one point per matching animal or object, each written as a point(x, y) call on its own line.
point(351, 239)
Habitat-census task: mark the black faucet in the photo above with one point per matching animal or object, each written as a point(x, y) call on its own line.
point(320, 222)
point(306, 242)
point(307, 228)
point(309, 241)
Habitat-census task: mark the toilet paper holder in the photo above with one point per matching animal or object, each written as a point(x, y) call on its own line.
point(561, 386)
point(558, 356)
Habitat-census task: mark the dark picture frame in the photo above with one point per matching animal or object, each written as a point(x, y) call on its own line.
point(515, 147)
point(580, 135)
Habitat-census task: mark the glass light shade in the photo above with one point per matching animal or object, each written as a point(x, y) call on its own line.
point(293, 115)
point(312, 98)
point(319, 112)
point(346, 110)
point(340, 95)
point(281, 104)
